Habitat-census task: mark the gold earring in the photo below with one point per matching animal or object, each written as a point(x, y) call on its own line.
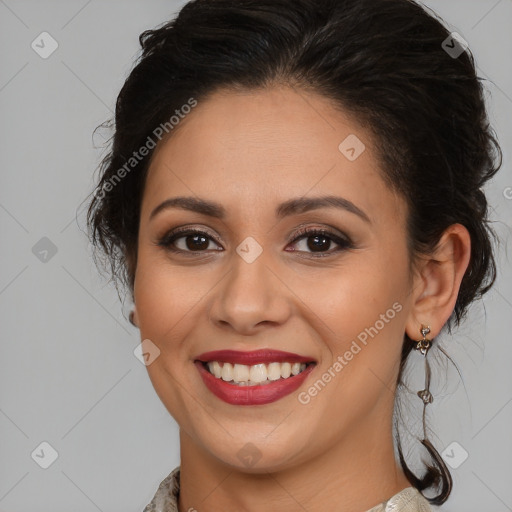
point(423, 346)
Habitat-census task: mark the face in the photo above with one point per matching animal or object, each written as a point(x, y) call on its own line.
point(254, 280)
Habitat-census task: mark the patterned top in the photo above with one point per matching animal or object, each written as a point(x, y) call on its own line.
point(166, 498)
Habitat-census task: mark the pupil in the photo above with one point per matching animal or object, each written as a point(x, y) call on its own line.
point(319, 245)
point(195, 246)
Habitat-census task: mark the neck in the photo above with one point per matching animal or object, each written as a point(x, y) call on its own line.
point(357, 474)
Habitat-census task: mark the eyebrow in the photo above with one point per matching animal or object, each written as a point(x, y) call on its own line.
point(290, 207)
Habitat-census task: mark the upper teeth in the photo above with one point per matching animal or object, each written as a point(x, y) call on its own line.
point(255, 374)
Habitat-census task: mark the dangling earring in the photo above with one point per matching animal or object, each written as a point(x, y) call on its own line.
point(130, 317)
point(423, 346)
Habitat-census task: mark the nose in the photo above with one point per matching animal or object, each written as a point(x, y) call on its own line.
point(251, 297)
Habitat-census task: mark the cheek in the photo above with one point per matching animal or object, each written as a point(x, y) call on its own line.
point(165, 303)
point(164, 295)
point(352, 297)
point(363, 306)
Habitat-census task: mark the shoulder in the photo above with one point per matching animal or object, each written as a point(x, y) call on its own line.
point(166, 496)
point(407, 500)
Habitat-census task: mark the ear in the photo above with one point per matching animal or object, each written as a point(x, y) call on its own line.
point(437, 282)
point(134, 320)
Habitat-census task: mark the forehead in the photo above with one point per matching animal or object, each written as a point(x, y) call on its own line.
point(253, 146)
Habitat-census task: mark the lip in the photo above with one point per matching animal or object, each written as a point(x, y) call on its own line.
point(252, 395)
point(253, 357)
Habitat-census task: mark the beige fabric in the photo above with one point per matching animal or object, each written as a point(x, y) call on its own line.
point(166, 498)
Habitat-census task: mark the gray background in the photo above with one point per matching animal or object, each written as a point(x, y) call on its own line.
point(68, 375)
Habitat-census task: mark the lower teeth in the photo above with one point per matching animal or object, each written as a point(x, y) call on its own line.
point(251, 383)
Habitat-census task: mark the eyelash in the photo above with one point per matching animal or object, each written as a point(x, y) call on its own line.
point(345, 243)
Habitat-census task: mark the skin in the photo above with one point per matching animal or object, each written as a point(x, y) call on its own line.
point(250, 151)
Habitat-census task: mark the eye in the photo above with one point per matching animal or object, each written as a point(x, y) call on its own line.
point(321, 240)
point(194, 241)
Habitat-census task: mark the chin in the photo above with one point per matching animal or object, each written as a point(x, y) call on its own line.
point(257, 454)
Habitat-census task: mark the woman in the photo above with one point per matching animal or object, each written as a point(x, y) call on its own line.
point(294, 200)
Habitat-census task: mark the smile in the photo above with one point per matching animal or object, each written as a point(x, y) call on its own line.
point(269, 376)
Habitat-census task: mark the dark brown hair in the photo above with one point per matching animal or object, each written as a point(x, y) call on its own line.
point(381, 61)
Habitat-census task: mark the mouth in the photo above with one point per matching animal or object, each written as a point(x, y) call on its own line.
point(253, 378)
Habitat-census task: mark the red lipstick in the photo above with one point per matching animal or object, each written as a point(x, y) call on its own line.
point(234, 394)
point(264, 356)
